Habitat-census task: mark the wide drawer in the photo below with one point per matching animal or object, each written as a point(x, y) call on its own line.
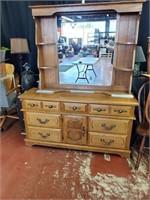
point(44, 120)
point(98, 109)
point(108, 125)
point(74, 107)
point(46, 134)
point(31, 104)
point(121, 111)
point(107, 140)
point(51, 106)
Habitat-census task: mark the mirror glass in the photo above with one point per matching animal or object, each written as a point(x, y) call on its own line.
point(86, 48)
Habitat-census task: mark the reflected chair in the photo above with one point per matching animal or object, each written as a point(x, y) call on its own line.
point(143, 128)
point(8, 93)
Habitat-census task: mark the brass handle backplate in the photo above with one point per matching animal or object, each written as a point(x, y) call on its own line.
point(44, 135)
point(42, 122)
point(120, 111)
point(106, 143)
point(74, 107)
point(108, 127)
point(100, 109)
point(32, 104)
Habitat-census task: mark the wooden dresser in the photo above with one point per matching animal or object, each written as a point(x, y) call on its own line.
point(95, 122)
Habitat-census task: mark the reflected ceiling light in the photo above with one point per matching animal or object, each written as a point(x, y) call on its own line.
point(79, 17)
point(67, 18)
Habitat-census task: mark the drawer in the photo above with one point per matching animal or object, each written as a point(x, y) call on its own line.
point(107, 140)
point(75, 107)
point(32, 104)
point(121, 111)
point(46, 134)
point(51, 106)
point(44, 120)
point(108, 125)
point(98, 109)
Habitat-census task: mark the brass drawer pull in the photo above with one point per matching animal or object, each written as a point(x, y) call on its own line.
point(42, 122)
point(43, 135)
point(100, 109)
point(108, 128)
point(120, 111)
point(32, 104)
point(51, 106)
point(107, 143)
point(74, 107)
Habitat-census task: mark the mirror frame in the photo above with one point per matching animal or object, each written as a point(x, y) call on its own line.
point(124, 48)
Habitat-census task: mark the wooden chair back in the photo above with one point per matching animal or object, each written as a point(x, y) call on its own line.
point(143, 101)
point(147, 108)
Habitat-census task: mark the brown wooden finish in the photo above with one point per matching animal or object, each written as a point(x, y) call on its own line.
point(107, 140)
point(75, 129)
point(91, 119)
point(128, 16)
point(143, 128)
point(45, 134)
point(126, 40)
point(81, 121)
point(120, 7)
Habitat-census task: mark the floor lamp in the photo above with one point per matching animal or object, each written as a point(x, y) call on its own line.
point(19, 46)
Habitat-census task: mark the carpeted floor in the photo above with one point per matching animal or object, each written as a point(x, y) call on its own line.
point(49, 173)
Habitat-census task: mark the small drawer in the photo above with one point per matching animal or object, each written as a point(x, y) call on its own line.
point(75, 107)
point(32, 104)
point(107, 140)
point(108, 125)
point(98, 109)
point(51, 106)
point(121, 111)
point(46, 134)
point(43, 120)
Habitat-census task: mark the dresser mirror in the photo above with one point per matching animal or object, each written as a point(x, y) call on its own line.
point(112, 77)
point(86, 48)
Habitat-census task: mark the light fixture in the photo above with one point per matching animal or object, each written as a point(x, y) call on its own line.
point(19, 46)
point(67, 18)
point(139, 57)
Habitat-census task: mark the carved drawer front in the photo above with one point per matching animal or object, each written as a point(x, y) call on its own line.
point(32, 104)
point(46, 134)
point(44, 120)
point(107, 140)
point(51, 106)
point(98, 109)
point(75, 107)
point(121, 111)
point(108, 125)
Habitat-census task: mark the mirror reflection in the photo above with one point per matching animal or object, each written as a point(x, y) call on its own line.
point(86, 48)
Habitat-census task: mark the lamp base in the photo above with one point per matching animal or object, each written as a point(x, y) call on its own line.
point(136, 71)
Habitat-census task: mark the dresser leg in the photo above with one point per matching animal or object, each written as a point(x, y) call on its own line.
point(28, 143)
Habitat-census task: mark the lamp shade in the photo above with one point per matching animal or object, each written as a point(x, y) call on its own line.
point(19, 45)
point(139, 56)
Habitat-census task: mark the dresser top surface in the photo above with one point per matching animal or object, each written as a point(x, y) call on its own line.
point(81, 97)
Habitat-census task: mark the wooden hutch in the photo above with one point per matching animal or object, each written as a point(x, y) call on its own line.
point(83, 117)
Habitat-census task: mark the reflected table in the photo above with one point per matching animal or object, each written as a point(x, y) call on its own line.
point(83, 65)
